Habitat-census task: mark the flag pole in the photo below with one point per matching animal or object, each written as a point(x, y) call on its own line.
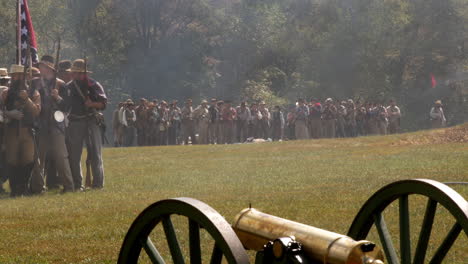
point(18, 32)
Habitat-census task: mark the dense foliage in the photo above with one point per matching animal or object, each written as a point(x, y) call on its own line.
point(276, 50)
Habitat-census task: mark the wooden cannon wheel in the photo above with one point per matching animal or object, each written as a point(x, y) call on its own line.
point(437, 194)
point(199, 216)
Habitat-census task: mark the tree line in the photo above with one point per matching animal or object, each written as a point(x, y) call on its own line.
point(275, 50)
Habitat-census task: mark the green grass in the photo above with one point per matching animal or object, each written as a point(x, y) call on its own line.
point(321, 183)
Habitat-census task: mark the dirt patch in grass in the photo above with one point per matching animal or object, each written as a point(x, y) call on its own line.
point(457, 134)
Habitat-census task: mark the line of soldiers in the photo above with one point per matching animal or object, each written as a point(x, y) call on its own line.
point(342, 119)
point(219, 122)
point(49, 113)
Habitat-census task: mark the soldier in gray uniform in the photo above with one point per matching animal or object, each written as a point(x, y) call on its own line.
point(188, 124)
point(301, 116)
point(329, 119)
point(243, 118)
point(86, 100)
point(437, 115)
point(4, 82)
point(202, 116)
point(51, 136)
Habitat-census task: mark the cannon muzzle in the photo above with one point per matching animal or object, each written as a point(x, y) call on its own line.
point(255, 229)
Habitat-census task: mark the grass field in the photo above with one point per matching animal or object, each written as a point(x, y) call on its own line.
point(321, 183)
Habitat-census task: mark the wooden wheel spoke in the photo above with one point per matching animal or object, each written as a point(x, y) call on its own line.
point(200, 215)
point(216, 256)
point(426, 229)
point(446, 244)
point(194, 240)
point(172, 241)
point(152, 252)
point(405, 240)
point(385, 238)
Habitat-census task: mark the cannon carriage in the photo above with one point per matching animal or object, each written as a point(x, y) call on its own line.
point(275, 240)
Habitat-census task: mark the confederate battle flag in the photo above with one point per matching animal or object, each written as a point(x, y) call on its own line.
point(26, 34)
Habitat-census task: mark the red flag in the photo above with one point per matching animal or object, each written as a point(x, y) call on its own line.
point(433, 81)
point(27, 33)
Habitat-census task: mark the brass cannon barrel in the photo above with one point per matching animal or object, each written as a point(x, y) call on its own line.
point(255, 229)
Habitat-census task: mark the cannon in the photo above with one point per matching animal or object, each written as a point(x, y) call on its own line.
point(270, 239)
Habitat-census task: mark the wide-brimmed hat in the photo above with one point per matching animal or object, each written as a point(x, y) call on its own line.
point(64, 66)
point(204, 102)
point(78, 66)
point(47, 61)
point(15, 69)
point(4, 73)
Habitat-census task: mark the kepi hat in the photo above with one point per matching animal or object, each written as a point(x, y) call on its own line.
point(64, 66)
point(47, 61)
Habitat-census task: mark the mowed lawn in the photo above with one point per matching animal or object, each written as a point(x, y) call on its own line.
point(317, 182)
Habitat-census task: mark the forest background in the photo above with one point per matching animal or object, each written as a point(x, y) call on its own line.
point(272, 50)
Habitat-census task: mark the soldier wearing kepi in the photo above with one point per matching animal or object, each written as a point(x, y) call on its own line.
point(86, 99)
point(63, 71)
point(53, 181)
point(22, 106)
point(51, 136)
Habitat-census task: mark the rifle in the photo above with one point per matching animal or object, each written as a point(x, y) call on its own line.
point(90, 145)
point(55, 106)
point(88, 180)
point(57, 55)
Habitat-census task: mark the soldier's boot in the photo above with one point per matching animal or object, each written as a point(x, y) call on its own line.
point(25, 173)
point(13, 172)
